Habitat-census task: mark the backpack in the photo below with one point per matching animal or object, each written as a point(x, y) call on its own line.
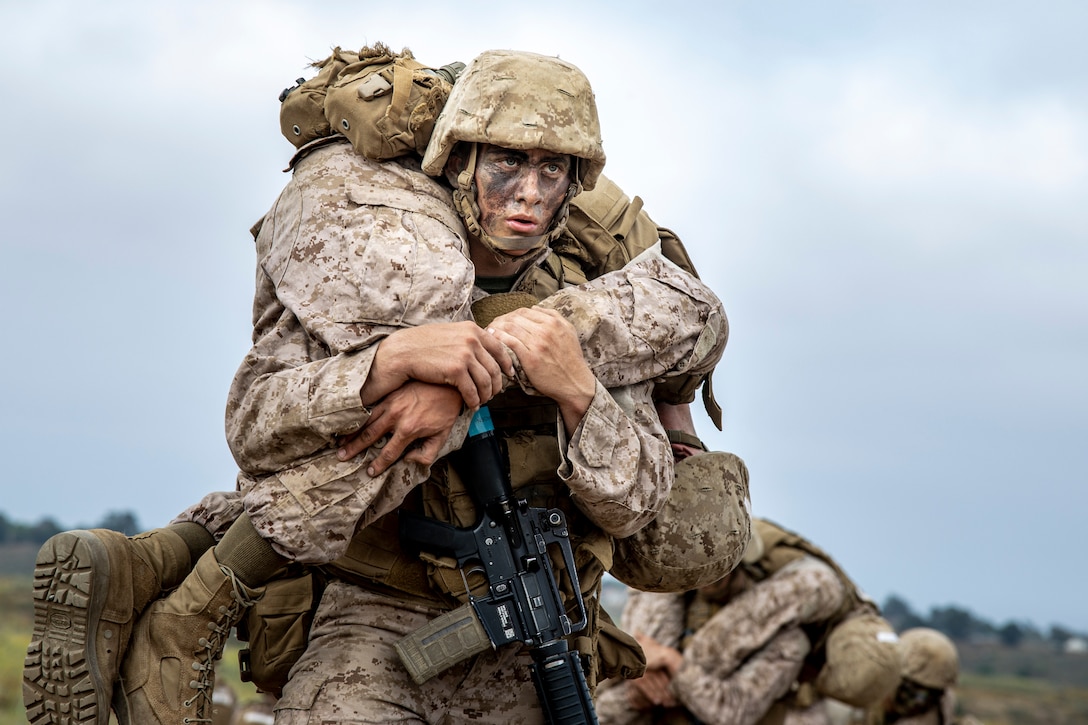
point(385, 103)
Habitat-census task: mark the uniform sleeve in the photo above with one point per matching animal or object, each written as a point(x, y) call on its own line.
point(618, 464)
point(649, 320)
point(643, 323)
point(806, 590)
point(289, 398)
point(352, 251)
point(613, 707)
point(747, 694)
point(656, 615)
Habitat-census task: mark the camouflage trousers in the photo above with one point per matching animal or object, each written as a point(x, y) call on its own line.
point(351, 675)
point(215, 512)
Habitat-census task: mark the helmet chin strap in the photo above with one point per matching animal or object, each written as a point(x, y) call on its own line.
point(464, 199)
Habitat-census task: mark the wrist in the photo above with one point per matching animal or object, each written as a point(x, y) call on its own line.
point(574, 407)
point(383, 378)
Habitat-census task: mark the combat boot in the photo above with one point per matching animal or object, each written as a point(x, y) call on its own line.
point(89, 588)
point(168, 676)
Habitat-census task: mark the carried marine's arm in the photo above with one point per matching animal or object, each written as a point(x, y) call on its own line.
point(523, 602)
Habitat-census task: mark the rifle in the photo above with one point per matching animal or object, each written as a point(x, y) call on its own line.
point(509, 545)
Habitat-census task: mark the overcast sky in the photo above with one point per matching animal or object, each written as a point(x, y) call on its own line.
point(890, 199)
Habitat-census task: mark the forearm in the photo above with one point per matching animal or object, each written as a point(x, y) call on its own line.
point(744, 696)
point(807, 590)
point(279, 414)
point(619, 466)
point(647, 321)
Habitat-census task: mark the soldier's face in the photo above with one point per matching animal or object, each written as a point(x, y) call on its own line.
point(519, 192)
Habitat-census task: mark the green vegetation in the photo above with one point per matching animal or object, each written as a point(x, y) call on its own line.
point(1005, 700)
point(16, 622)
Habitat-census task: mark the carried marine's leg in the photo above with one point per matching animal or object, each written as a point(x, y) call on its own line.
point(89, 588)
point(168, 675)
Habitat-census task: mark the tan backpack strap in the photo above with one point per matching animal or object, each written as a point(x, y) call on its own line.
point(710, 403)
point(402, 89)
point(622, 227)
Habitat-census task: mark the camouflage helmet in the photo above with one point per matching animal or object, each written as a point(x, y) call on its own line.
point(699, 535)
point(862, 663)
point(521, 101)
point(929, 658)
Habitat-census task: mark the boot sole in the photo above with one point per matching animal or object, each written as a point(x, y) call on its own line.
point(62, 684)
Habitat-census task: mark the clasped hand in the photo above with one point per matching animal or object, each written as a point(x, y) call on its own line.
point(421, 378)
point(653, 688)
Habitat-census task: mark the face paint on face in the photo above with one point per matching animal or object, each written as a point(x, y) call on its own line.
point(519, 192)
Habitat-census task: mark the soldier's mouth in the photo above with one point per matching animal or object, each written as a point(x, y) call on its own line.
point(523, 225)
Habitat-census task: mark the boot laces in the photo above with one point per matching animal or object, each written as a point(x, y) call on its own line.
point(211, 648)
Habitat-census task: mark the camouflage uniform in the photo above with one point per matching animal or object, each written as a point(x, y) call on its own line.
point(297, 389)
point(745, 659)
point(614, 465)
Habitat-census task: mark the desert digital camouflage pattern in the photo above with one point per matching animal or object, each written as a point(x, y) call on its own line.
point(746, 658)
point(351, 251)
point(351, 661)
point(522, 101)
point(699, 535)
point(298, 387)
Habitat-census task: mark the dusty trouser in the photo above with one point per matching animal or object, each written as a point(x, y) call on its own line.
point(337, 679)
